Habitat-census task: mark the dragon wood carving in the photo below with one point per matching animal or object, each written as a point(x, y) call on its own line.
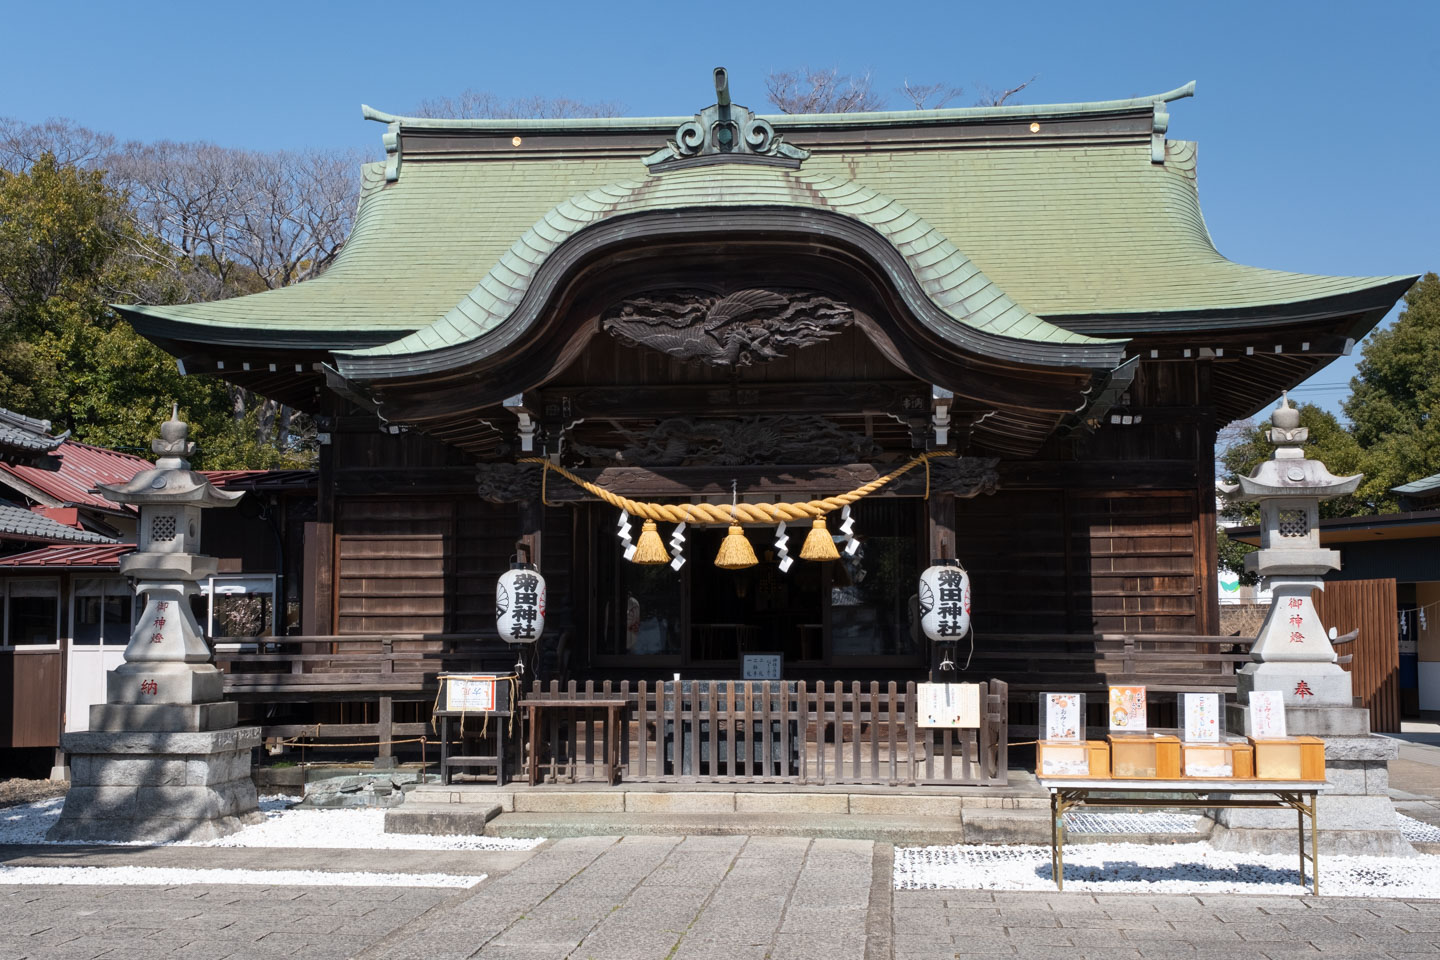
point(731, 330)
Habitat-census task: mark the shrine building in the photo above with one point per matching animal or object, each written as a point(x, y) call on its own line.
point(737, 311)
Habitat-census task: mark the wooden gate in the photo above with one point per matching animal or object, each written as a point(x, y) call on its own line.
point(1370, 607)
point(772, 732)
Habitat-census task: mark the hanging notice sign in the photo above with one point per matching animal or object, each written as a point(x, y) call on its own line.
point(947, 704)
point(762, 666)
point(470, 694)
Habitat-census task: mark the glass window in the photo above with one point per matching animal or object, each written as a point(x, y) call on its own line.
point(870, 609)
point(102, 611)
point(33, 616)
point(241, 606)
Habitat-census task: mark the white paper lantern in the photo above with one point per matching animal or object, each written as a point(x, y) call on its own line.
point(520, 604)
point(945, 601)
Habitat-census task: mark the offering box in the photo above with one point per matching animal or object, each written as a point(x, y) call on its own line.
point(1143, 756)
point(1293, 758)
point(1090, 759)
point(1230, 760)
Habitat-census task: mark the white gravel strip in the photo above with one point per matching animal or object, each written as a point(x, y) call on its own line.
point(1418, 831)
point(343, 829)
point(1142, 823)
point(1193, 868)
point(173, 876)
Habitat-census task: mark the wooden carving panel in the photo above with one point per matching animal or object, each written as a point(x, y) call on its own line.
point(730, 330)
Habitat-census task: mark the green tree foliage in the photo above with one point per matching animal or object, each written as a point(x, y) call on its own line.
point(1394, 404)
point(67, 244)
point(1329, 442)
point(1232, 555)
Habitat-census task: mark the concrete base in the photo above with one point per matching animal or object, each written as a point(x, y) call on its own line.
point(1354, 814)
point(441, 819)
point(157, 786)
point(59, 773)
point(1324, 684)
point(164, 683)
point(163, 717)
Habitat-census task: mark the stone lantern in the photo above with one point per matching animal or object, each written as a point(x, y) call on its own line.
point(163, 759)
point(1293, 655)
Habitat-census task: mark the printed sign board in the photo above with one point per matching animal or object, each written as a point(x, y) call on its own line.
point(947, 704)
point(1064, 717)
point(762, 666)
point(1127, 709)
point(1267, 714)
point(1201, 717)
point(471, 694)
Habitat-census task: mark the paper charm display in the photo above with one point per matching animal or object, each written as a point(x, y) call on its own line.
point(1267, 714)
point(1201, 713)
point(1064, 717)
point(1127, 708)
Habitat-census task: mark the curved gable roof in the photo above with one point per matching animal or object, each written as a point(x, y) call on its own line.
point(947, 277)
point(1076, 223)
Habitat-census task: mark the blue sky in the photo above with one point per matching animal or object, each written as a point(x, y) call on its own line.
point(1316, 121)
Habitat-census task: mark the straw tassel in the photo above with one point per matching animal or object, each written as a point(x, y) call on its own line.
point(819, 545)
point(650, 550)
point(735, 551)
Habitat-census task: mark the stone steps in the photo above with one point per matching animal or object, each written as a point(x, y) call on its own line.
point(904, 818)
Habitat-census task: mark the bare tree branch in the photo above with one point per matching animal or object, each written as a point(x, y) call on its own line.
point(483, 105)
point(21, 144)
point(990, 98)
point(930, 96)
point(822, 91)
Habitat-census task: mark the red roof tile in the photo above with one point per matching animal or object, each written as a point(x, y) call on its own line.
point(64, 555)
point(71, 472)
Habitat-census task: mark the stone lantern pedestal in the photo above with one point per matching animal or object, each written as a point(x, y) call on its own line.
point(163, 759)
point(1293, 655)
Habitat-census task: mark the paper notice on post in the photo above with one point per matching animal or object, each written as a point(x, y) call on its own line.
point(947, 704)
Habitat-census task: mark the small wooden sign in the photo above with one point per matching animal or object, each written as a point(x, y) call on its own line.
point(470, 694)
point(762, 666)
point(947, 705)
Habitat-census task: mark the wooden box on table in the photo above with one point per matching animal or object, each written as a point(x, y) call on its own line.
point(1144, 756)
point(1289, 758)
point(1088, 758)
point(1226, 760)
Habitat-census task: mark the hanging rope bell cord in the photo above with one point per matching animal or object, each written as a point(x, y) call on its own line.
point(714, 513)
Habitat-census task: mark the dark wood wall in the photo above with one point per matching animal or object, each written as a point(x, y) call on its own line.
point(1110, 530)
point(429, 565)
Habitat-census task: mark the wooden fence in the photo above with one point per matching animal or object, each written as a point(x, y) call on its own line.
point(1370, 607)
point(771, 732)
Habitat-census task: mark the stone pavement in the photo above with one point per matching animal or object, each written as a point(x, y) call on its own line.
point(662, 898)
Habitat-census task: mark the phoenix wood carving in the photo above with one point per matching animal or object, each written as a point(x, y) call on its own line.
point(731, 330)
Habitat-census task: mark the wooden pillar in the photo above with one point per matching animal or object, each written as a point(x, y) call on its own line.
point(1207, 561)
point(941, 528)
point(317, 607)
point(532, 522)
point(940, 537)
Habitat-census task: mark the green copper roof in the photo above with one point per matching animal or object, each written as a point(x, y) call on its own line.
point(1069, 228)
point(875, 118)
point(948, 278)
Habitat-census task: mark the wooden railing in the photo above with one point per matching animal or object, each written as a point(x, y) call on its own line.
point(1160, 662)
point(772, 732)
point(382, 670)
